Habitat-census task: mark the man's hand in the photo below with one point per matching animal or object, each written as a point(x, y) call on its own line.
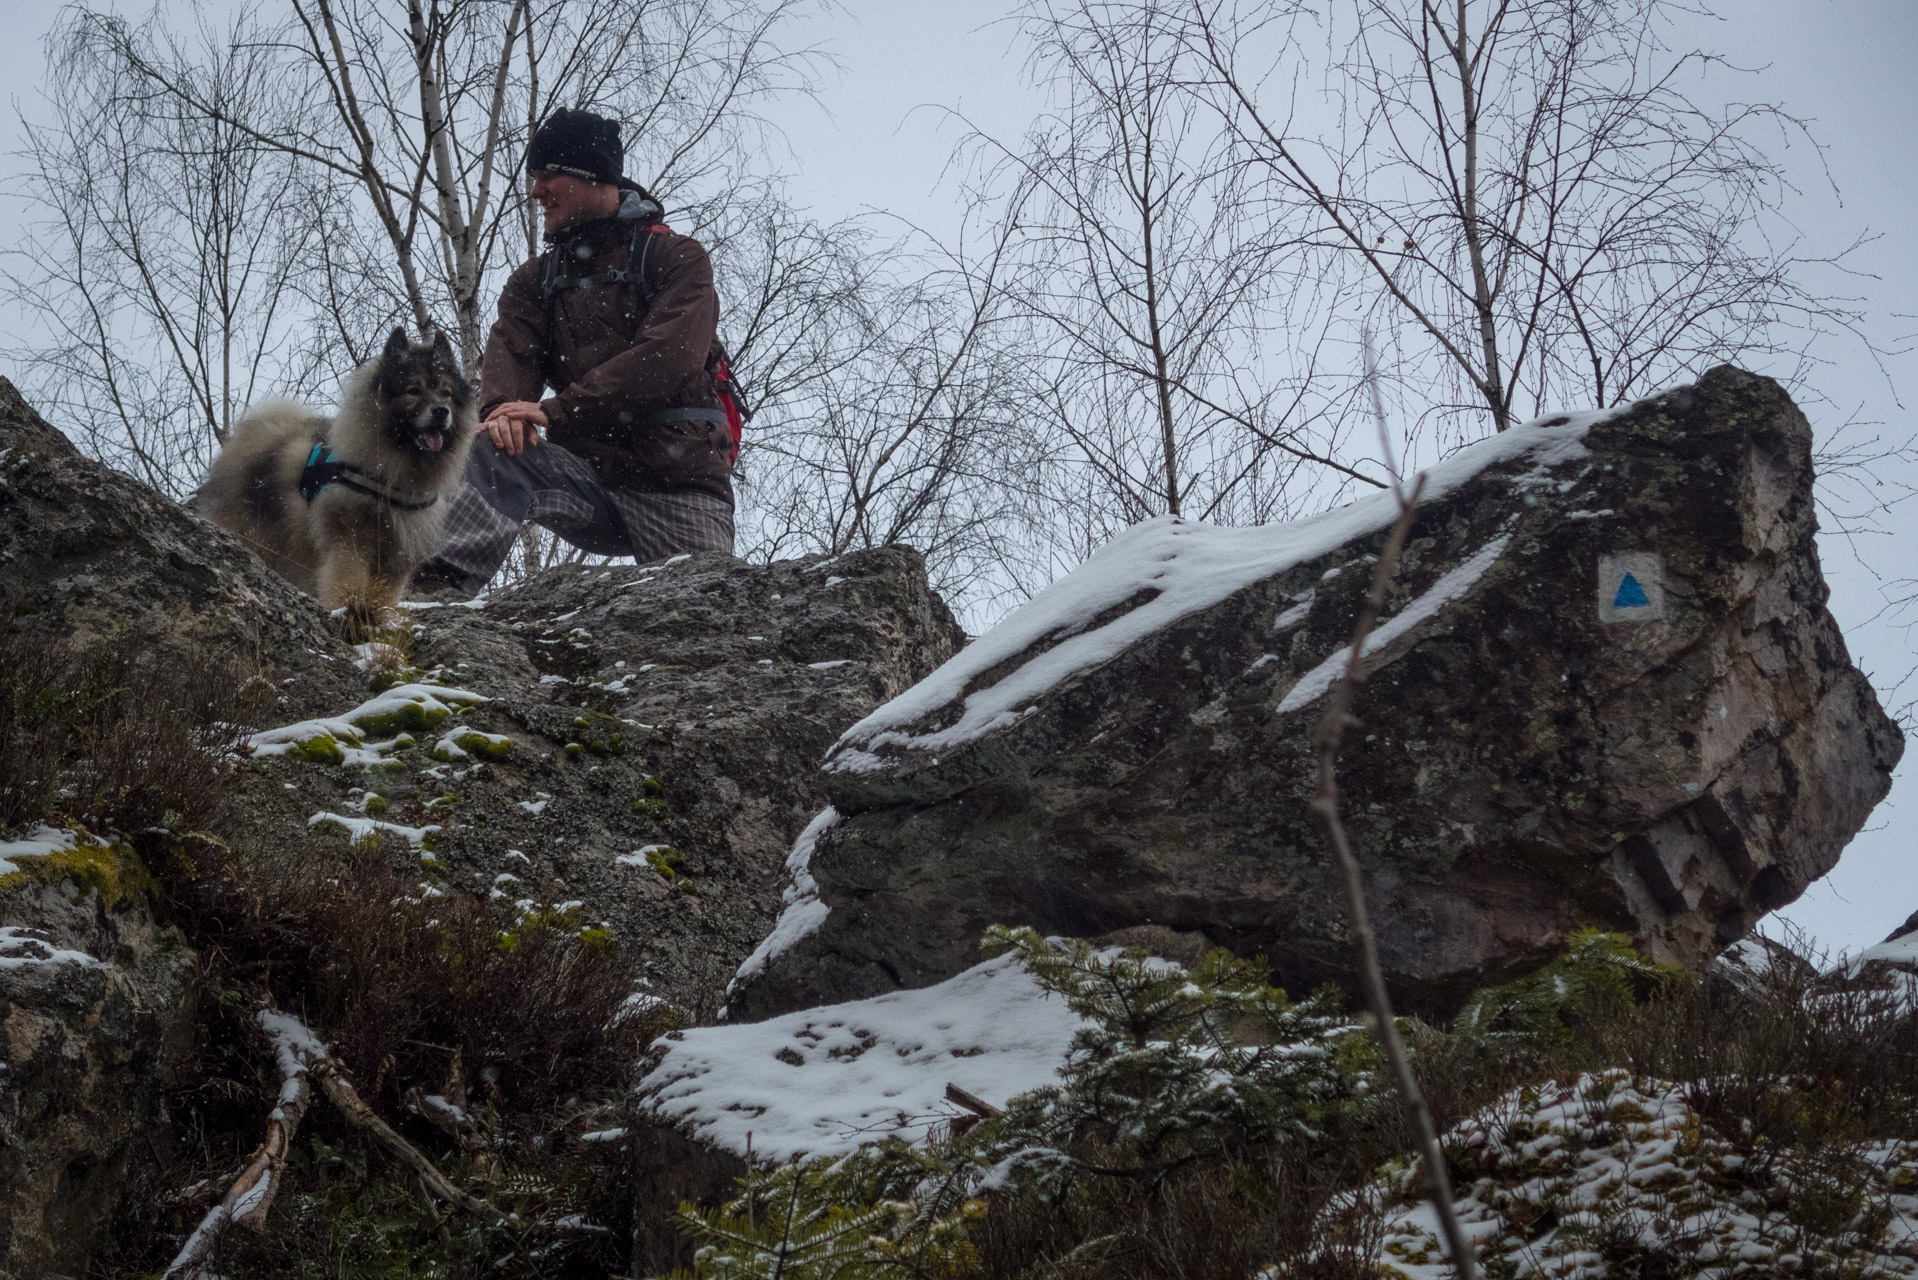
point(515, 425)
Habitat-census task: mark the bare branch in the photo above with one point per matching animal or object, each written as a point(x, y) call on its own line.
point(1325, 816)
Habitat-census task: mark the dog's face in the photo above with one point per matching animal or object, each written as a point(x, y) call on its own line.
point(423, 397)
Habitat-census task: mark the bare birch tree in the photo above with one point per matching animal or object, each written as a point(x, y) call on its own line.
point(424, 121)
point(1153, 302)
point(900, 413)
point(1539, 202)
point(163, 269)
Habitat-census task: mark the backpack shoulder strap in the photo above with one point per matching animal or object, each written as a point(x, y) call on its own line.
point(640, 261)
point(638, 273)
point(549, 287)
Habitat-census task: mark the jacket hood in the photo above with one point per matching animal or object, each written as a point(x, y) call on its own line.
point(636, 204)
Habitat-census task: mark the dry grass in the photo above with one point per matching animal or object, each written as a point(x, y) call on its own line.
point(401, 983)
point(109, 737)
point(402, 986)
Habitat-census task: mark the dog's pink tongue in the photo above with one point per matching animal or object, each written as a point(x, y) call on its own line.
point(432, 441)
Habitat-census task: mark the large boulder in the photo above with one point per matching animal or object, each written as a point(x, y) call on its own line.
point(94, 1011)
point(1605, 692)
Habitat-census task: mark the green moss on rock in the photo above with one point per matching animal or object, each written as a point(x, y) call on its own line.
point(411, 717)
point(113, 871)
point(484, 746)
point(598, 733)
point(319, 749)
point(668, 861)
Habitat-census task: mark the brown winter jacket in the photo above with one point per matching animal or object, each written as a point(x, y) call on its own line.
point(611, 363)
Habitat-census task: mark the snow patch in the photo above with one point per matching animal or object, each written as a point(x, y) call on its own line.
point(1166, 568)
point(824, 1081)
point(344, 729)
point(40, 842)
point(1901, 951)
point(294, 1047)
point(358, 829)
point(803, 912)
point(1301, 608)
point(1447, 589)
point(22, 947)
point(638, 858)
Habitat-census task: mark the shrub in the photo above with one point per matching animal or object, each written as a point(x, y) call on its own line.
point(1181, 1075)
point(113, 737)
point(1203, 1127)
point(402, 983)
point(1174, 1067)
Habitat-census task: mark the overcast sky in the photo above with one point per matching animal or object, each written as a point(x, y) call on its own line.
point(883, 127)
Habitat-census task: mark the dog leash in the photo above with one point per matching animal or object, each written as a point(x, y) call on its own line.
point(324, 467)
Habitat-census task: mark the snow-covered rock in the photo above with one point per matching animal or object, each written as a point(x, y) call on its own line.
point(1609, 1175)
point(1605, 691)
point(825, 1081)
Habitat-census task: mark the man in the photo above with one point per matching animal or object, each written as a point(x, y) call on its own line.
point(631, 455)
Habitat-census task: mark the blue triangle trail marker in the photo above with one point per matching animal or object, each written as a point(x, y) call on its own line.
point(1630, 595)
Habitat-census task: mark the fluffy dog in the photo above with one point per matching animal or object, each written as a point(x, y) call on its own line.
point(347, 509)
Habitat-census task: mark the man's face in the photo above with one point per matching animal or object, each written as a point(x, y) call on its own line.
point(566, 199)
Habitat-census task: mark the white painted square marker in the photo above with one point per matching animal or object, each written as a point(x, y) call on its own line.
point(1631, 587)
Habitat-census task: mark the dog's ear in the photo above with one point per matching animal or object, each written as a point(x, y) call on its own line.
point(396, 345)
point(443, 351)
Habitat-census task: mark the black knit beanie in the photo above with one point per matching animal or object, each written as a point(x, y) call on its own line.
point(580, 143)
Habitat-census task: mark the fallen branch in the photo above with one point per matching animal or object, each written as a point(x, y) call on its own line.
point(1325, 815)
point(971, 1102)
point(251, 1194)
point(450, 1112)
point(301, 1058)
point(339, 1090)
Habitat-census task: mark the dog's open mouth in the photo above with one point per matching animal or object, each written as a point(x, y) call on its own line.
point(430, 441)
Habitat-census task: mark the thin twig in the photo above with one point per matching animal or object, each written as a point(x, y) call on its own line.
point(1325, 816)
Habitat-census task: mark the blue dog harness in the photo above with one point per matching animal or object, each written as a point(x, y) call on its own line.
point(324, 467)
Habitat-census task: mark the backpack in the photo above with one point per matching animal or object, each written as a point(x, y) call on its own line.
point(733, 410)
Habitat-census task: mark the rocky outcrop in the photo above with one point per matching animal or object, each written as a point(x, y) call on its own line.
point(629, 749)
point(641, 746)
point(1891, 966)
point(1605, 692)
point(93, 1010)
point(90, 555)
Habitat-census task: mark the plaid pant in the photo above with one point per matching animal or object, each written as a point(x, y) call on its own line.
point(556, 488)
